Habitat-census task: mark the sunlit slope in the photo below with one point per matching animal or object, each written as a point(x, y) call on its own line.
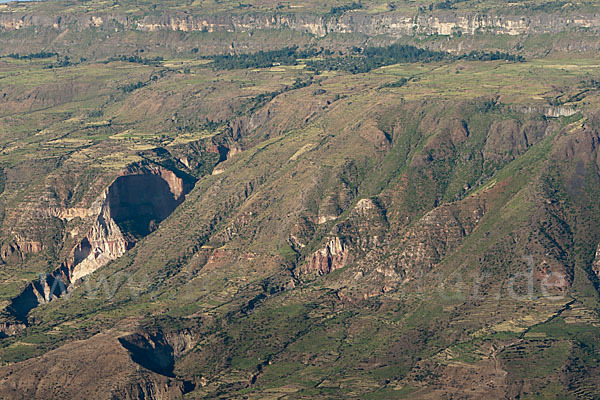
point(364, 237)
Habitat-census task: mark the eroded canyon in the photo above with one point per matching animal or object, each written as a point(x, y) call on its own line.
point(314, 200)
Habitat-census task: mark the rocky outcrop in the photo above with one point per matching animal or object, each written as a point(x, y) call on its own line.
point(10, 327)
point(103, 243)
point(329, 209)
point(20, 247)
point(548, 111)
point(129, 209)
point(436, 234)
point(157, 351)
point(328, 259)
point(301, 234)
point(393, 24)
point(596, 263)
point(365, 227)
point(509, 138)
point(362, 231)
point(72, 372)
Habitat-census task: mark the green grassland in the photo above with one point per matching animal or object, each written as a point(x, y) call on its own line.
point(316, 147)
point(98, 127)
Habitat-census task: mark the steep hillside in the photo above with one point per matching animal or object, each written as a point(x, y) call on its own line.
point(95, 30)
point(376, 222)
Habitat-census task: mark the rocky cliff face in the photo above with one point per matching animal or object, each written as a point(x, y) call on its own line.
point(129, 209)
point(103, 243)
point(19, 247)
point(157, 351)
point(10, 328)
point(549, 111)
point(80, 378)
point(328, 259)
point(596, 263)
point(361, 232)
point(392, 24)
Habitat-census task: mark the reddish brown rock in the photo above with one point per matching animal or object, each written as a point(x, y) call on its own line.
point(71, 372)
point(328, 259)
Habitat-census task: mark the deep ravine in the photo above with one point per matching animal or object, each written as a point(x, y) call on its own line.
point(129, 209)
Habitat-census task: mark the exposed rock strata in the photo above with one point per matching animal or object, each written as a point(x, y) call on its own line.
point(548, 111)
point(130, 208)
point(10, 328)
point(362, 231)
point(393, 24)
point(328, 259)
point(20, 247)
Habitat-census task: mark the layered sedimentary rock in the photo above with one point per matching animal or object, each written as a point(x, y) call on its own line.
point(129, 209)
point(393, 24)
point(19, 247)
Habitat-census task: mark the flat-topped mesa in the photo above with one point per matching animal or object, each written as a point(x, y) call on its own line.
point(393, 24)
point(126, 211)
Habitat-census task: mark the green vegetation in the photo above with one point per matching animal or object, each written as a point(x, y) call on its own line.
point(133, 86)
point(262, 59)
point(361, 210)
point(32, 56)
point(156, 61)
point(340, 10)
point(484, 56)
point(375, 57)
point(361, 61)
